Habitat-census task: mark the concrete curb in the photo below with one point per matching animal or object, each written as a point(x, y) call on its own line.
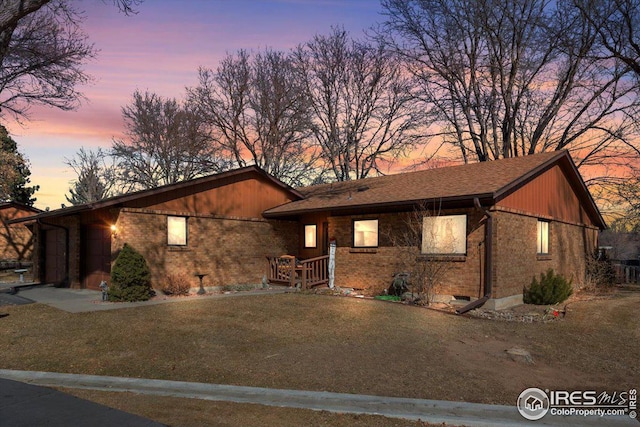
point(433, 411)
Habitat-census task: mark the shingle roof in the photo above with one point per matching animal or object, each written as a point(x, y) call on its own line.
point(463, 182)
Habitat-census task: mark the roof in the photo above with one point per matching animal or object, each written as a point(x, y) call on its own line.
point(487, 181)
point(117, 200)
point(18, 205)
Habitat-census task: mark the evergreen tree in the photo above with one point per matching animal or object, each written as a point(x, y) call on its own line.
point(95, 178)
point(130, 277)
point(18, 189)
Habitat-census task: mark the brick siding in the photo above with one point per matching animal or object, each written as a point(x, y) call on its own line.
point(372, 270)
point(515, 260)
point(231, 251)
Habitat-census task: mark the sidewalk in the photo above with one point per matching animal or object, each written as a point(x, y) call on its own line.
point(432, 411)
point(85, 300)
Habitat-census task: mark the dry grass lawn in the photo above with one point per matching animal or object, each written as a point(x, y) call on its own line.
point(349, 345)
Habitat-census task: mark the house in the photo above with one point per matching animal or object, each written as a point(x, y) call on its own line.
point(494, 224)
point(15, 241)
point(211, 225)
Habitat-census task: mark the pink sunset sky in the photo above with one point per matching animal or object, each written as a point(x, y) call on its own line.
point(160, 50)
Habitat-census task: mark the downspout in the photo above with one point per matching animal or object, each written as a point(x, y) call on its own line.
point(488, 261)
point(66, 249)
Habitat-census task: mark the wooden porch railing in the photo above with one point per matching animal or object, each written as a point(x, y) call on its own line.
point(309, 272)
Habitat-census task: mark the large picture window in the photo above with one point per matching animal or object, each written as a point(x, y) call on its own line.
point(310, 233)
point(365, 233)
point(176, 231)
point(543, 237)
point(446, 235)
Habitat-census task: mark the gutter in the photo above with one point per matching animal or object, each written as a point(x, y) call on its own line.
point(488, 261)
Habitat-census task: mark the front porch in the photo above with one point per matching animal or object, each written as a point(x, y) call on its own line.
point(287, 269)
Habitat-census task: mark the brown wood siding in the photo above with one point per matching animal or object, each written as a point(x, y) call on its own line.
point(55, 258)
point(96, 252)
point(235, 196)
point(548, 195)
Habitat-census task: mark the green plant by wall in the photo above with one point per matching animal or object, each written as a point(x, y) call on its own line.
point(130, 277)
point(550, 289)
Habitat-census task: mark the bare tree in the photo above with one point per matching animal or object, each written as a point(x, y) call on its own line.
point(415, 253)
point(166, 143)
point(361, 103)
point(616, 22)
point(629, 193)
point(515, 78)
point(95, 178)
point(259, 114)
point(42, 49)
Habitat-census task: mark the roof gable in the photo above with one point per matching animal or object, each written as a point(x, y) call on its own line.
point(170, 192)
point(10, 211)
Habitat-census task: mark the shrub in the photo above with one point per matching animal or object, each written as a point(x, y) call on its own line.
point(551, 289)
point(176, 284)
point(130, 277)
point(600, 272)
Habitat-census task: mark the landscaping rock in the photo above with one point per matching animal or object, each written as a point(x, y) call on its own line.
point(519, 354)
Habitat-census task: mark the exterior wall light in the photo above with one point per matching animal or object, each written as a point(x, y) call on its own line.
point(114, 230)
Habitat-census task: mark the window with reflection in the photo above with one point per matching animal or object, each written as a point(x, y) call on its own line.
point(176, 231)
point(365, 233)
point(445, 235)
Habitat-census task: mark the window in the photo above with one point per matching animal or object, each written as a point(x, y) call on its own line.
point(446, 235)
point(177, 230)
point(543, 237)
point(310, 236)
point(365, 233)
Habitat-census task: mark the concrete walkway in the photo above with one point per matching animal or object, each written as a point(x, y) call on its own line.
point(84, 300)
point(433, 411)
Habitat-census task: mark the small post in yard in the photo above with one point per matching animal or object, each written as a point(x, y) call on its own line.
point(332, 262)
point(200, 276)
point(105, 290)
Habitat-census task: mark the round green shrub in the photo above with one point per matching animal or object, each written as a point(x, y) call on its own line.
point(551, 289)
point(130, 277)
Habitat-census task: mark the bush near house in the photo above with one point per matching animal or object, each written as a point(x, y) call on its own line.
point(600, 271)
point(130, 277)
point(176, 284)
point(551, 289)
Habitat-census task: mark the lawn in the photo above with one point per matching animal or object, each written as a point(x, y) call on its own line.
point(349, 345)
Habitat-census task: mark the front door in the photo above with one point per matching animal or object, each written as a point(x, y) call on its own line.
point(97, 255)
point(55, 264)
